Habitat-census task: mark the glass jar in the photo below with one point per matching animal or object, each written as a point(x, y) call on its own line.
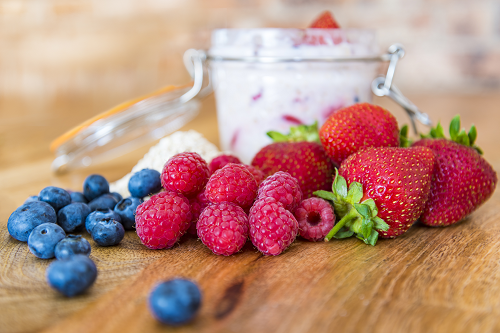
point(271, 79)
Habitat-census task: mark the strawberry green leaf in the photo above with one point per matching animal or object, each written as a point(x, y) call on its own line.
point(462, 138)
point(373, 207)
point(363, 210)
point(343, 233)
point(472, 135)
point(277, 136)
point(297, 134)
point(325, 195)
point(380, 224)
point(457, 135)
point(355, 193)
point(366, 227)
point(404, 141)
point(339, 185)
point(372, 239)
point(455, 127)
point(439, 133)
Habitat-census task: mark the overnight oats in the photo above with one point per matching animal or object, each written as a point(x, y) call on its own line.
point(255, 93)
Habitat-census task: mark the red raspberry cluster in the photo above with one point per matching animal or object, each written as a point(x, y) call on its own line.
point(214, 206)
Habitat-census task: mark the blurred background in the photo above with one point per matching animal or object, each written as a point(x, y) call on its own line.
point(123, 47)
point(63, 61)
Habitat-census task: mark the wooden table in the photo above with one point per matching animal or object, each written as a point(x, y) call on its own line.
point(428, 280)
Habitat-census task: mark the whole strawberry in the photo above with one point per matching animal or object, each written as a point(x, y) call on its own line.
point(325, 21)
point(163, 219)
point(185, 173)
point(462, 180)
point(300, 156)
point(388, 189)
point(358, 126)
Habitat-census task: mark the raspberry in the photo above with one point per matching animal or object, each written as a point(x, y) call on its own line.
point(233, 183)
point(272, 227)
point(256, 173)
point(316, 218)
point(220, 161)
point(284, 188)
point(198, 204)
point(163, 219)
point(223, 228)
point(185, 173)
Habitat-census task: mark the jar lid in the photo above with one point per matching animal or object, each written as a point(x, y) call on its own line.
point(301, 43)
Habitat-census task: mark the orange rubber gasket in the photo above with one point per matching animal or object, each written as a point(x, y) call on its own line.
point(72, 132)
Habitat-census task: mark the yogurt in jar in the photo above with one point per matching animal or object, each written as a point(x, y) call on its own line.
point(255, 97)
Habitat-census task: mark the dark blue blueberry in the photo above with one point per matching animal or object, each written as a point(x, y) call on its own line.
point(55, 196)
point(72, 245)
point(94, 186)
point(44, 238)
point(117, 196)
point(78, 197)
point(356, 99)
point(144, 182)
point(175, 302)
point(105, 201)
point(107, 232)
point(98, 215)
point(26, 217)
point(72, 217)
point(72, 276)
point(126, 209)
point(31, 199)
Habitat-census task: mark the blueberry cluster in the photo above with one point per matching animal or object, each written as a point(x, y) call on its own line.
point(43, 222)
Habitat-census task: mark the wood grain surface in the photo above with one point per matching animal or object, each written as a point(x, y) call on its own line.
point(428, 280)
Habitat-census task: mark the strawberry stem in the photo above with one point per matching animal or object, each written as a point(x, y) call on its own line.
point(340, 224)
point(356, 217)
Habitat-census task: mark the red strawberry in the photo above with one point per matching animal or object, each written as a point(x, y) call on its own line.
point(358, 126)
point(306, 161)
point(325, 21)
point(392, 184)
point(462, 179)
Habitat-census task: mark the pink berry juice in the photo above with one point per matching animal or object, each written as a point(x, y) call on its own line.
point(256, 97)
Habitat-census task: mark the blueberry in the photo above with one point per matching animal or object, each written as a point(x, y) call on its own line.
point(31, 199)
point(98, 215)
point(175, 302)
point(117, 196)
point(72, 217)
point(126, 209)
point(107, 232)
point(44, 238)
point(144, 182)
point(26, 217)
point(105, 201)
point(72, 276)
point(72, 245)
point(94, 186)
point(55, 196)
point(78, 197)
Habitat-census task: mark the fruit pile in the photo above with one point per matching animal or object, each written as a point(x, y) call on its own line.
point(380, 183)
